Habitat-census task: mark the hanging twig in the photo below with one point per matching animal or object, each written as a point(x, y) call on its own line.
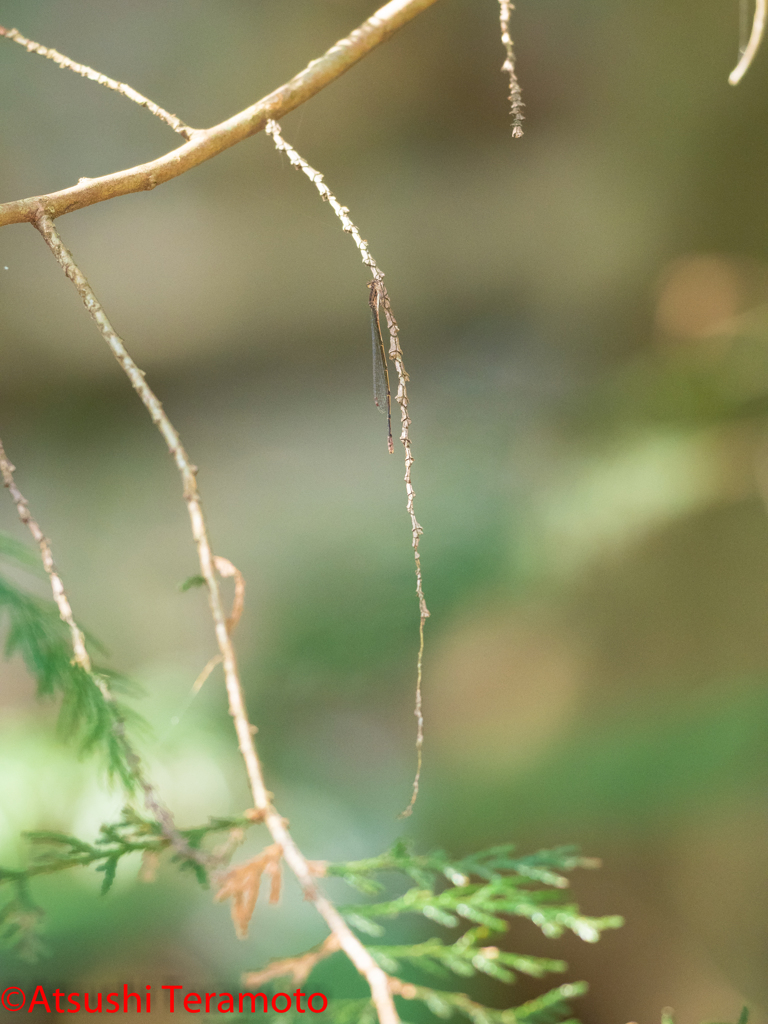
point(515, 92)
point(209, 142)
point(380, 296)
point(354, 949)
point(755, 39)
point(225, 569)
point(96, 76)
point(396, 355)
point(83, 660)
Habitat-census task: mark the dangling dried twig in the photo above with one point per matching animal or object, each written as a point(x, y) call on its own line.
point(515, 92)
point(380, 297)
point(755, 39)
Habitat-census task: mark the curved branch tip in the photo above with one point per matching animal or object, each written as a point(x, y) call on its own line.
point(755, 39)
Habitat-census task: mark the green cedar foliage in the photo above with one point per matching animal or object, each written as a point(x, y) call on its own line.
point(36, 633)
point(21, 919)
point(551, 1008)
point(476, 895)
point(667, 1016)
point(57, 851)
point(543, 1010)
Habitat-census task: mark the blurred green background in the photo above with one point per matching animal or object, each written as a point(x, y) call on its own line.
point(584, 316)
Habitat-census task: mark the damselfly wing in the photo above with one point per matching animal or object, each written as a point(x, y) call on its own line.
point(381, 393)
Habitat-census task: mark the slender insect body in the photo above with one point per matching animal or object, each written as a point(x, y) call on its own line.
point(382, 396)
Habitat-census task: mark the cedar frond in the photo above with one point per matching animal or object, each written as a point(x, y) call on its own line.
point(37, 634)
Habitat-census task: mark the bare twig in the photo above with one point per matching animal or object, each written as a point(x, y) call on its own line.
point(83, 659)
point(515, 92)
point(396, 355)
point(222, 853)
point(354, 949)
point(299, 967)
point(198, 684)
point(224, 568)
point(379, 295)
point(755, 39)
point(209, 142)
point(95, 76)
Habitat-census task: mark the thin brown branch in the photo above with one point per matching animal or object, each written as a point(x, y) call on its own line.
point(83, 659)
point(225, 569)
point(354, 949)
point(298, 967)
point(198, 684)
point(755, 39)
point(515, 92)
point(396, 355)
point(96, 76)
point(380, 296)
point(209, 142)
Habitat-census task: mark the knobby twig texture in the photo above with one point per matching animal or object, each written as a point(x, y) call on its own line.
point(95, 76)
point(753, 45)
point(379, 295)
point(515, 92)
point(209, 142)
point(355, 950)
point(201, 146)
point(83, 660)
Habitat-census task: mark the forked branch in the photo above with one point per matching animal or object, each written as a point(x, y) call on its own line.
point(209, 142)
point(348, 941)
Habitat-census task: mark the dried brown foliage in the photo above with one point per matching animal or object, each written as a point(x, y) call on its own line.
point(241, 884)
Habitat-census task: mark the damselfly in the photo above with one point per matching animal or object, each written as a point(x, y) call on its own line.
point(381, 393)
